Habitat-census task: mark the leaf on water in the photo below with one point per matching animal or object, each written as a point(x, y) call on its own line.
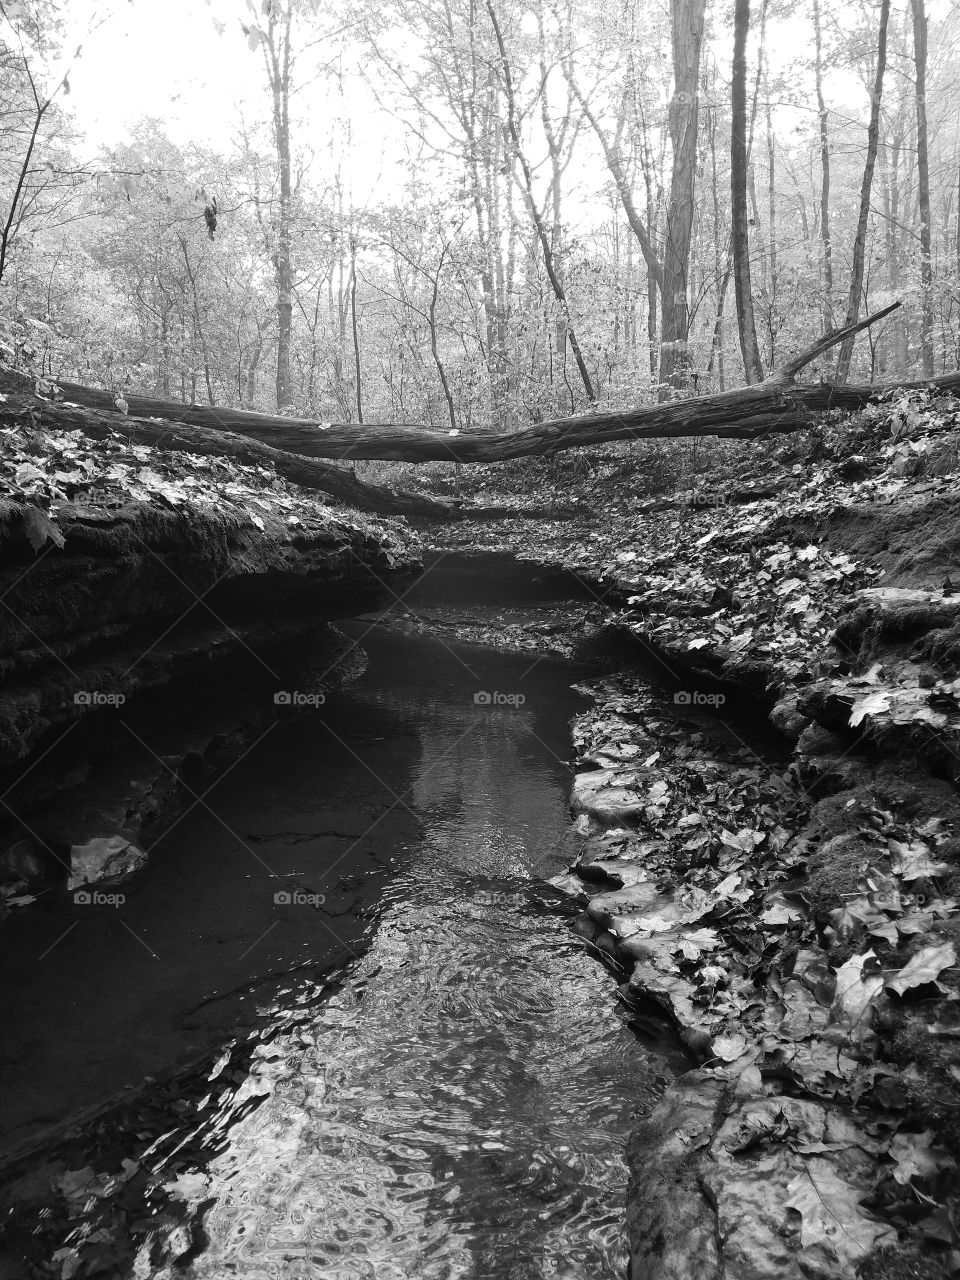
point(926, 966)
point(77, 1184)
point(187, 1186)
point(69, 1260)
point(38, 528)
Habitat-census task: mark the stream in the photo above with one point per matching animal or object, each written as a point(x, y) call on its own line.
point(346, 1026)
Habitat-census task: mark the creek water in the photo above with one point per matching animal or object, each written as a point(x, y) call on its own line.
point(407, 1063)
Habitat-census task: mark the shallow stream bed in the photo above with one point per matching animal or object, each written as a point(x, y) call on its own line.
point(378, 1048)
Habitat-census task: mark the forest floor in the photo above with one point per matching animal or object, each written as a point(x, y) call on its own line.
point(797, 925)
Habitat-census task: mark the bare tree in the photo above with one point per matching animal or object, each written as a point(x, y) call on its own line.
point(923, 187)
point(19, 65)
point(687, 36)
point(824, 172)
point(739, 159)
point(860, 242)
point(549, 257)
point(273, 36)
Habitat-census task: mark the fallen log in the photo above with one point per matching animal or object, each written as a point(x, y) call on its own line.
point(778, 405)
point(31, 411)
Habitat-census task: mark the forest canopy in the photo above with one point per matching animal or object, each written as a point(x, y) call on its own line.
point(588, 207)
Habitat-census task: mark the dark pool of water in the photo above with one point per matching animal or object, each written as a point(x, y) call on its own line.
point(423, 1072)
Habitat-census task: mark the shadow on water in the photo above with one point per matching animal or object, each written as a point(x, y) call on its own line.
point(401, 1061)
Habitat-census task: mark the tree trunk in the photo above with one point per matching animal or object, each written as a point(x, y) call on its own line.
point(824, 174)
point(740, 236)
point(923, 187)
point(860, 242)
point(278, 72)
point(197, 319)
point(355, 331)
point(778, 405)
point(687, 33)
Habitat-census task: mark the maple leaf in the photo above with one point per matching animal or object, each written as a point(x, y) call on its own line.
point(926, 966)
point(830, 1214)
point(870, 705)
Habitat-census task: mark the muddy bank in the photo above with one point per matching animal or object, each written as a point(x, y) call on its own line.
point(139, 593)
point(111, 599)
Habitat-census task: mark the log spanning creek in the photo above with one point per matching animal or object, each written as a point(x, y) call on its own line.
point(340, 1025)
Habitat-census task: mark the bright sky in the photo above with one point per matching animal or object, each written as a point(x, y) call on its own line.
point(165, 58)
point(162, 59)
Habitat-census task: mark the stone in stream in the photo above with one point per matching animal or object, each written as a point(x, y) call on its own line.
point(105, 858)
point(612, 795)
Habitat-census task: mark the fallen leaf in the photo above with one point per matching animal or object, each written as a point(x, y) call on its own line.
point(729, 1047)
point(870, 705)
point(926, 966)
point(830, 1215)
point(38, 528)
point(855, 995)
point(913, 861)
point(187, 1186)
point(913, 1157)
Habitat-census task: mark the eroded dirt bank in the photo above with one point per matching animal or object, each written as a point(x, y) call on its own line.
point(121, 574)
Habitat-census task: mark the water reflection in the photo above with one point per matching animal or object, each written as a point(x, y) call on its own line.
point(455, 1102)
point(458, 1108)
